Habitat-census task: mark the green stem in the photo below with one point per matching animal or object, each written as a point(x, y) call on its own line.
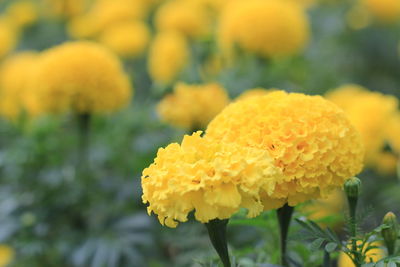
point(83, 144)
point(284, 218)
point(217, 232)
point(327, 259)
point(353, 228)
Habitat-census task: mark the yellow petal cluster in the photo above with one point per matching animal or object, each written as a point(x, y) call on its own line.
point(9, 37)
point(370, 112)
point(80, 76)
point(387, 11)
point(310, 139)
point(127, 39)
point(268, 28)
point(193, 106)
point(6, 255)
point(373, 255)
point(213, 179)
point(16, 95)
point(168, 55)
point(190, 18)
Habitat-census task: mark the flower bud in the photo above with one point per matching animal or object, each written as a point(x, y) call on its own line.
point(352, 187)
point(390, 233)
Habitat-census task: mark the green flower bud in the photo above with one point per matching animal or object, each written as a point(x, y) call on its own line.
point(390, 234)
point(352, 187)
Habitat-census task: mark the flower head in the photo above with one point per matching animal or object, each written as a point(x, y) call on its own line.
point(267, 28)
point(310, 139)
point(168, 55)
point(127, 39)
point(213, 179)
point(193, 106)
point(15, 94)
point(80, 76)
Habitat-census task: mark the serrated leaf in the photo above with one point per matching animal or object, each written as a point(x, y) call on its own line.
point(330, 247)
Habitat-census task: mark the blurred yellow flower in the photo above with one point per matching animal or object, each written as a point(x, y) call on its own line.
point(9, 37)
point(373, 255)
point(387, 11)
point(326, 211)
point(80, 76)
point(310, 139)
point(22, 13)
point(169, 54)
point(192, 107)
point(370, 113)
point(214, 179)
point(187, 17)
point(386, 163)
point(127, 39)
point(268, 28)
point(15, 94)
point(6, 255)
point(63, 8)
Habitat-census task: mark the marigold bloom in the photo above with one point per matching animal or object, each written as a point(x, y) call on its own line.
point(9, 37)
point(357, 101)
point(6, 255)
point(214, 179)
point(310, 139)
point(127, 39)
point(373, 255)
point(386, 11)
point(22, 13)
point(193, 106)
point(168, 55)
point(267, 28)
point(15, 94)
point(187, 17)
point(80, 76)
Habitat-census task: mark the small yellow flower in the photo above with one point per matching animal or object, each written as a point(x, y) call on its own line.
point(22, 13)
point(187, 17)
point(193, 106)
point(213, 179)
point(6, 255)
point(15, 94)
point(168, 55)
point(80, 76)
point(386, 11)
point(127, 39)
point(310, 139)
point(373, 255)
point(357, 101)
point(268, 28)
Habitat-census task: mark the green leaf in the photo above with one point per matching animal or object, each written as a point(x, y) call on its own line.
point(391, 264)
point(330, 247)
point(316, 244)
point(380, 264)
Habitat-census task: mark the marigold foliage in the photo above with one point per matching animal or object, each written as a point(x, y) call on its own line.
point(15, 94)
point(310, 139)
point(370, 113)
point(190, 18)
point(6, 255)
point(213, 179)
point(192, 106)
point(168, 55)
point(373, 255)
point(387, 11)
point(80, 76)
point(127, 39)
point(268, 28)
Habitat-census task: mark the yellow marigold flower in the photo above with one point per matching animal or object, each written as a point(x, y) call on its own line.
point(187, 17)
point(9, 37)
point(214, 179)
point(22, 13)
point(81, 76)
point(6, 255)
point(256, 92)
point(127, 39)
point(168, 55)
point(326, 211)
point(310, 139)
point(15, 94)
point(373, 255)
point(357, 101)
point(268, 28)
point(387, 11)
point(192, 106)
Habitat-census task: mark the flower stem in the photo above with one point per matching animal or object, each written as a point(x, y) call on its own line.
point(284, 217)
point(217, 232)
point(83, 144)
point(327, 259)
